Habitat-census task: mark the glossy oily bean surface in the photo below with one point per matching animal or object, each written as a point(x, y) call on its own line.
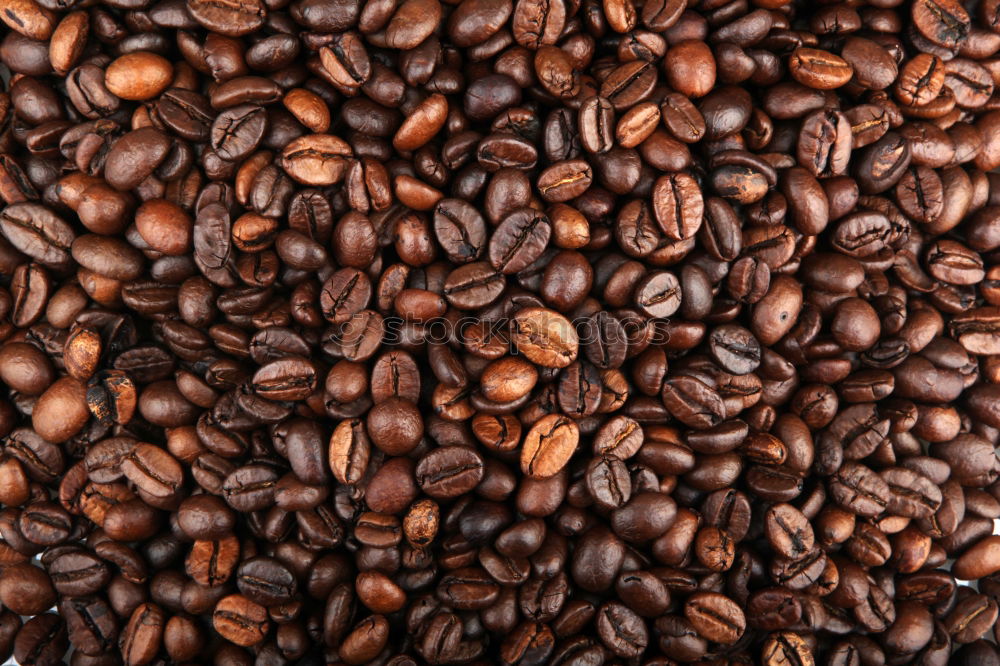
point(569, 332)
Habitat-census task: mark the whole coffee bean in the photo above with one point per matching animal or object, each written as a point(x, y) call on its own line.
point(61, 411)
point(621, 630)
point(658, 294)
point(152, 470)
point(395, 426)
point(240, 620)
point(788, 531)
point(449, 471)
point(266, 581)
point(735, 349)
point(460, 230)
point(688, 286)
point(26, 589)
point(595, 123)
point(79, 574)
point(715, 617)
point(42, 639)
point(138, 76)
point(519, 240)
point(545, 337)
point(25, 368)
point(978, 561)
point(134, 157)
point(786, 647)
point(816, 68)
point(644, 517)
point(693, 402)
point(366, 640)
point(548, 445)
point(143, 634)
point(38, 232)
point(597, 559)
point(678, 205)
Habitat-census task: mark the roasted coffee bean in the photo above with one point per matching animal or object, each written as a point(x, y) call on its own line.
point(621, 630)
point(266, 581)
point(715, 617)
point(519, 240)
point(678, 205)
point(460, 230)
point(449, 471)
point(548, 445)
point(788, 531)
point(545, 337)
point(636, 331)
point(816, 68)
point(240, 620)
point(79, 573)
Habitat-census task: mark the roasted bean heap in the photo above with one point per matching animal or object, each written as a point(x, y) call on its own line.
point(570, 332)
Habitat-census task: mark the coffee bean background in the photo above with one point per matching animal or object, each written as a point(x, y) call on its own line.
point(570, 332)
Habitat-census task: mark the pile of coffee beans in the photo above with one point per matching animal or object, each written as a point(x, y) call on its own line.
point(571, 332)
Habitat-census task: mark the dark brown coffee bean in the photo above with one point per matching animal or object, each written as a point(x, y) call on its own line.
point(565, 180)
point(693, 402)
point(37, 232)
point(449, 471)
point(519, 240)
point(788, 531)
point(858, 488)
point(460, 230)
point(363, 239)
point(715, 617)
point(678, 205)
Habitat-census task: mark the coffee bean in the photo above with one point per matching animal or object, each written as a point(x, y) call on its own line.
point(943, 23)
point(449, 471)
point(266, 581)
point(548, 445)
point(565, 180)
point(316, 159)
point(859, 489)
point(678, 205)
point(658, 294)
point(735, 349)
point(545, 337)
point(621, 630)
point(79, 574)
point(38, 232)
point(344, 295)
point(240, 620)
point(693, 402)
point(26, 589)
point(427, 249)
point(138, 76)
point(142, 635)
point(460, 230)
point(786, 647)
point(608, 481)
point(43, 638)
point(715, 617)
point(819, 69)
point(349, 451)
point(595, 123)
point(230, 19)
point(788, 531)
